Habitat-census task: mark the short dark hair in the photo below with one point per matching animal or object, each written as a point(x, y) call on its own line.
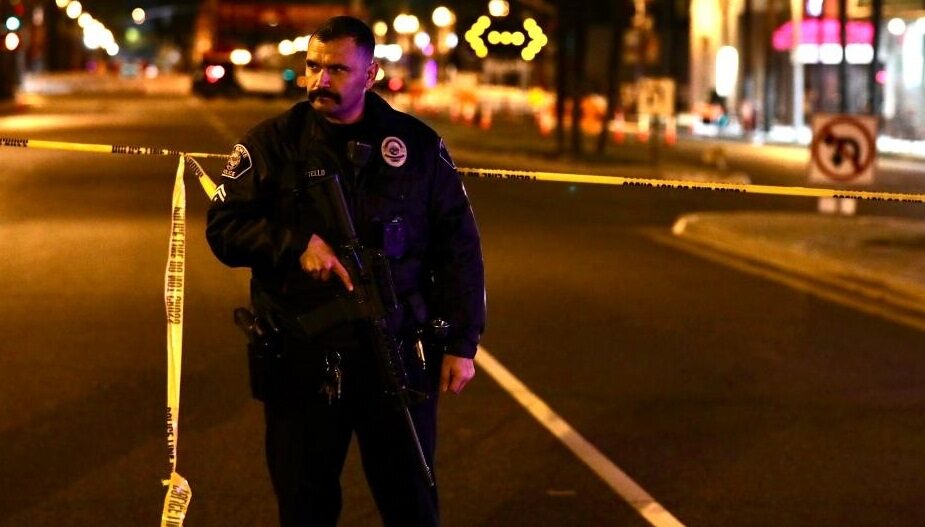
point(347, 27)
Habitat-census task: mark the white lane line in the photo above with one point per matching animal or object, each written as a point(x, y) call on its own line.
point(217, 124)
point(615, 478)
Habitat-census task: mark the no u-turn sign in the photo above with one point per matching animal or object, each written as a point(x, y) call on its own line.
point(844, 149)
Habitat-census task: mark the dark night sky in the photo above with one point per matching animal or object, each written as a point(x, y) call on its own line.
point(116, 13)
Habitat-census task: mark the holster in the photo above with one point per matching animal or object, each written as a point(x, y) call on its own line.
point(264, 351)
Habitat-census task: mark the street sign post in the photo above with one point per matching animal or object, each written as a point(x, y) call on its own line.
point(656, 97)
point(654, 105)
point(843, 150)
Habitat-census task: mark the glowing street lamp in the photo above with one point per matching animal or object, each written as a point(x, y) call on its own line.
point(896, 26)
point(74, 9)
point(286, 48)
point(138, 15)
point(499, 8)
point(443, 17)
point(421, 39)
point(240, 57)
point(727, 70)
point(84, 20)
point(11, 41)
point(380, 28)
point(406, 24)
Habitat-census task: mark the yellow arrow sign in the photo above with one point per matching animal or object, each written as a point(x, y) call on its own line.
point(537, 39)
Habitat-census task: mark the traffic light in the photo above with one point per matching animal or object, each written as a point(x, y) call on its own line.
point(12, 23)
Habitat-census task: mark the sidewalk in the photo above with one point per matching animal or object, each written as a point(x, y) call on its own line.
point(881, 260)
point(18, 104)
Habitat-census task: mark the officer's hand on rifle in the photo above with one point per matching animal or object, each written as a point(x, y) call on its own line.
point(319, 261)
point(455, 373)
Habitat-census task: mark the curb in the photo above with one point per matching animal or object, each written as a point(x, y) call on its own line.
point(849, 263)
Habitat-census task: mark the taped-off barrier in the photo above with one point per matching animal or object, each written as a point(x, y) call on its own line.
point(515, 175)
point(178, 494)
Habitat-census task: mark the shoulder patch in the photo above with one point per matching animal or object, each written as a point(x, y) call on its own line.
point(239, 162)
point(220, 193)
point(394, 151)
point(445, 155)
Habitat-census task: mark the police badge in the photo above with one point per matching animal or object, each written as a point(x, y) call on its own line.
point(394, 151)
point(239, 162)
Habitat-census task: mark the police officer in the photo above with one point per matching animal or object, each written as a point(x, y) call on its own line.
point(407, 200)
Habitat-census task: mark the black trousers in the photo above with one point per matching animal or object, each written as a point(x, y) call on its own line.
point(307, 436)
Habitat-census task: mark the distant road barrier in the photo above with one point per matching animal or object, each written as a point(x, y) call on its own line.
point(176, 501)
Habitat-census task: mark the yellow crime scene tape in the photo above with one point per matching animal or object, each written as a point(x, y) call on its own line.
point(100, 149)
point(176, 501)
point(489, 173)
point(746, 188)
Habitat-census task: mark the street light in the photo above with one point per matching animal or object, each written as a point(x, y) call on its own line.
point(896, 26)
point(499, 8)
point(62, 3)
point(138, 15)
point(406, 24)
point(240, 57)
point(421, 39)
point(84, 19)
point(74, 9)
point(380, 28)
point(727, 70)
point(443, 17)
point(11, 41)
point(286, 48)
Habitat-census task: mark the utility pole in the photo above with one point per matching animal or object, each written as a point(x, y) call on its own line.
point(11, 45)
point(769, 95)
point(873, 102)
point(747, 75)
point(843, 65)
point(796, 17)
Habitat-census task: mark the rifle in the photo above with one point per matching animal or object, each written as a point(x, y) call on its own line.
point(373, 299)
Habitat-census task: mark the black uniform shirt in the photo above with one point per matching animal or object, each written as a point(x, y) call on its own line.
point(259, 220)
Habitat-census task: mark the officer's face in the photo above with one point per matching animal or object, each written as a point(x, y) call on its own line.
point(338, 75)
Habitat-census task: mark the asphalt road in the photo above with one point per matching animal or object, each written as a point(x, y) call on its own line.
point(730, 399)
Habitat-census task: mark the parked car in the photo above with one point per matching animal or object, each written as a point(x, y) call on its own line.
point(218, 75)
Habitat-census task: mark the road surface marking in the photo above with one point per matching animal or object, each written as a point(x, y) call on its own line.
point(213, 120)
point(848, 294)
point(615, 478)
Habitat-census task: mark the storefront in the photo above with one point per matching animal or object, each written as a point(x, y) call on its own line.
point(798, 62)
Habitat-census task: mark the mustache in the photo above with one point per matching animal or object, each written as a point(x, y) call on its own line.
point(322, 92)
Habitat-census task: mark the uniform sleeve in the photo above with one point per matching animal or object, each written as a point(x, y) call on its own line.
point(458, 270)
point(239, 227)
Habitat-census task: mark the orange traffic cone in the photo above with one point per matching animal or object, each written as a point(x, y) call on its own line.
point(671, 131)
point(485, 119)
point(643, 133)
point(619, 128)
